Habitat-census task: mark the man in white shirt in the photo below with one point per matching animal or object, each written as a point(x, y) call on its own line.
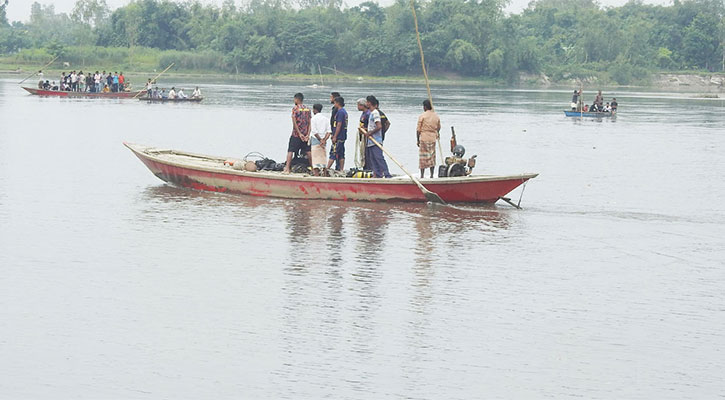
point(319, 133)
point(181, 95)
point(172, 93)
point(196, 94)
point(73, 81)
point(97, 81)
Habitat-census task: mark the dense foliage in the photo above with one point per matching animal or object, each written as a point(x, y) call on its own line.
point(562, 38)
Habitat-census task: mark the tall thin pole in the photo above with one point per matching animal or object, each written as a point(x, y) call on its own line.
point(420, 47)
point(422, 65)
point(157, 77)
point(51, 62)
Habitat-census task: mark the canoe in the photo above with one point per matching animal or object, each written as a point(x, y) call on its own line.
point(60, 93)
point(587, 114)
point(188, 99)
point(202, 172)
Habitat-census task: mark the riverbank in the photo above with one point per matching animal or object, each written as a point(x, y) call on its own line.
point(695, 82)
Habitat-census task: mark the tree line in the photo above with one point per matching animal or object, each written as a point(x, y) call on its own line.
point(471, 38)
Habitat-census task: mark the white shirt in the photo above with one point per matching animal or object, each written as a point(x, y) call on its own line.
point(172, 94)
point(320, 125)
point(374, 117)
point(196, 93)
point(181, 94)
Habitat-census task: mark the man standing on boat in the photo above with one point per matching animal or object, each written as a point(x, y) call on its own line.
point(319, 133)
point(599, 101)
point(339, 135)
point(333, 96)
point(362, 106)
point(300, 131)
point(373, 153)
point(97, 80)
point(575, 105)
point(429, 126)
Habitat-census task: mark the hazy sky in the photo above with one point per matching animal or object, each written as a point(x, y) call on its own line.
point(19, 10)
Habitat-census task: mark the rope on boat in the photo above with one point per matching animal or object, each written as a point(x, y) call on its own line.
point(523, 187)
point(511, 203)
point(255, 154)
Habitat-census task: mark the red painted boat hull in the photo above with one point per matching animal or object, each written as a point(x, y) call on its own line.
point(58, 93)
point(209, 173)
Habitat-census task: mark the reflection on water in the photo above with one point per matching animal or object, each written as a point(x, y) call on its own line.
point(320, 232)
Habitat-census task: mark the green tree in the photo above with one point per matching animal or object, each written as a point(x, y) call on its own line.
point(701, 41)
point(90, 12)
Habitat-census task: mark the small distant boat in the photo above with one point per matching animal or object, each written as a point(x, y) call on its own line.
point(62, 93)
point(177, 100)
point(211, 173)
point(587, 114)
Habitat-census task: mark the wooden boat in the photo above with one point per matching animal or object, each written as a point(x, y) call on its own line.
point(587, 114)
point(210, 173)
point(188, 99)
point(61, 93)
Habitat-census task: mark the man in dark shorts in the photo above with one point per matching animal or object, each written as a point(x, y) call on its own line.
point(298, 142)
point(339, 135)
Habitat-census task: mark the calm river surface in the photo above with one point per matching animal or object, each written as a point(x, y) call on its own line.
point(609, 284)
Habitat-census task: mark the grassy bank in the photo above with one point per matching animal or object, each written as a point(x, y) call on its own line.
point(141, 63)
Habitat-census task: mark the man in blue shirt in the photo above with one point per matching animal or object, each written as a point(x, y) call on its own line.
point(339, 135)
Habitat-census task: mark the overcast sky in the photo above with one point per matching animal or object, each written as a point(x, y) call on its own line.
point(19, 10)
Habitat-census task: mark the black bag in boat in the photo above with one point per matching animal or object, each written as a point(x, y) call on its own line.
point(266, 164)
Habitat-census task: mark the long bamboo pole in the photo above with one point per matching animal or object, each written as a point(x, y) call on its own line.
point(425, 72)
point(51, 62)
point(155, 78)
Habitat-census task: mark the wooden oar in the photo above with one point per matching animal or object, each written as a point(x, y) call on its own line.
point(430, 196)
point(157, 77)
point(51, 62)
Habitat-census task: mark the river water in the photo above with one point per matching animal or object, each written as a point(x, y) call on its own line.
point(608, 284)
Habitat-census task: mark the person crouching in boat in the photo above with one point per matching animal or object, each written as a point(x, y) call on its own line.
point(300, 131)
point(319, 133)
point(429, 126)
point(373, 153)
point(196, 94)
point(172, 93)
point(180, 94)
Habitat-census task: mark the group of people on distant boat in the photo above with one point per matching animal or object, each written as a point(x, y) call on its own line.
point(598, 105)
point(98, 82)
point(311, 131)
point(153, 92)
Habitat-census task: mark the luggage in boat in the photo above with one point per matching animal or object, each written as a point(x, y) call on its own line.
point(359, 173)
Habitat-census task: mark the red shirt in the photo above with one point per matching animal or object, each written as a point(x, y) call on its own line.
point(120, 79)
point(302, 116)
